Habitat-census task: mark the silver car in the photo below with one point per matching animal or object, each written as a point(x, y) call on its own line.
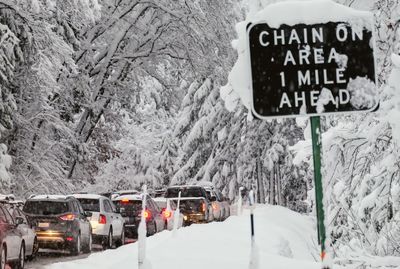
point(107, 224)
point(28, 234)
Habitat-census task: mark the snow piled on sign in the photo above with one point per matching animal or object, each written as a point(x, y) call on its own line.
point(323, 99)
point(239, 84)
point(362, 92)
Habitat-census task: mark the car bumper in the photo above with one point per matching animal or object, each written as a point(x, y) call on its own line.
point(194, 218)
point(54, 239)
point(131, 230)
point(99, 229)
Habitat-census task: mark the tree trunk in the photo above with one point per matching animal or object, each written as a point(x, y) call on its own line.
point(272, 187)
point(278, 184)
point(260, 185)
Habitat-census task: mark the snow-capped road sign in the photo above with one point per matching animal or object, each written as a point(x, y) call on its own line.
point(312, 69)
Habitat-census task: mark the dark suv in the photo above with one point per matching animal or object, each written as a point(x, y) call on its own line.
point(60, 223)
point(195, 204)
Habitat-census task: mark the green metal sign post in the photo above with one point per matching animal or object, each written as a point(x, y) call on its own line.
point(316, 146)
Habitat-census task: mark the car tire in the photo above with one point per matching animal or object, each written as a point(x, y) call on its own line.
point(35, 250)
point(3, 257)
point(108, 243)
point(76, 249)
point(121, 240)
point(88, 246)
point(21, 258)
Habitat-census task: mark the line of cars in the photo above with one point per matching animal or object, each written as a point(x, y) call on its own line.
point(74, 222)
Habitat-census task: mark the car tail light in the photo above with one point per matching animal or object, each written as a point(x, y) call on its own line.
point(102, 219)
point(124, 200)
point(147, 214)
point(203, 207)
point(69, 239)
point(68, 217)
point(166, 213)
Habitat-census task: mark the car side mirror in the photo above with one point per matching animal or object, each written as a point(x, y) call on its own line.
point(87, 214)
point(19, 220)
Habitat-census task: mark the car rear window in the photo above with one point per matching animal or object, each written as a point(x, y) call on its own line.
point(90, 204)
point(132, 207)
point(46, 207)
point(185, 192)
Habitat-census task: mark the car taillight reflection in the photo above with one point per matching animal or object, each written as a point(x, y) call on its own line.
point(68, 217)
point(102, 219)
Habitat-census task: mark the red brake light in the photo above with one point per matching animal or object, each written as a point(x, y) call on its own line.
point(124, 200)
point(67, 217)
point(102, 219)
point(203, 207)
point(147, 214)
point(166, 213)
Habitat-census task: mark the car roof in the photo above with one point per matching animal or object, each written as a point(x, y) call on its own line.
point(51, 197)
point(88, 196)
point(129, 197)
point(185, 186)
point(7, 197)
point(127, 191)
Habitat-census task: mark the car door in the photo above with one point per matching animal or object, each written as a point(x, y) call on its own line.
point(119, 220)
point(115, 222)
point(28, 234)
point(83, 221)
point(13, 236)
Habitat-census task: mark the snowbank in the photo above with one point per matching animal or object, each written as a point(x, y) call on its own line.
point(285, 239)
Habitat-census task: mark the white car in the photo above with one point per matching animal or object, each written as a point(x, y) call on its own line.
point(168, 212)
point(107, 223)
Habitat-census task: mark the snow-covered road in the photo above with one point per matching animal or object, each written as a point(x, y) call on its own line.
point(285, 239)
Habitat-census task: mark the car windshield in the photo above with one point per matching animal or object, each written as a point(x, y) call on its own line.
point(46, 207)
point(185, 192)
point(92, 205)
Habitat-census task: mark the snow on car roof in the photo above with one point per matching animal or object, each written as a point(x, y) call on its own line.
point(50, 196)
point(7, 197)
point(87, 196)
point(127, 191)
point(185, 186)
point(128, 197)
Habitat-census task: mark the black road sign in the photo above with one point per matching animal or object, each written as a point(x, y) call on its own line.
point(311, 69)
